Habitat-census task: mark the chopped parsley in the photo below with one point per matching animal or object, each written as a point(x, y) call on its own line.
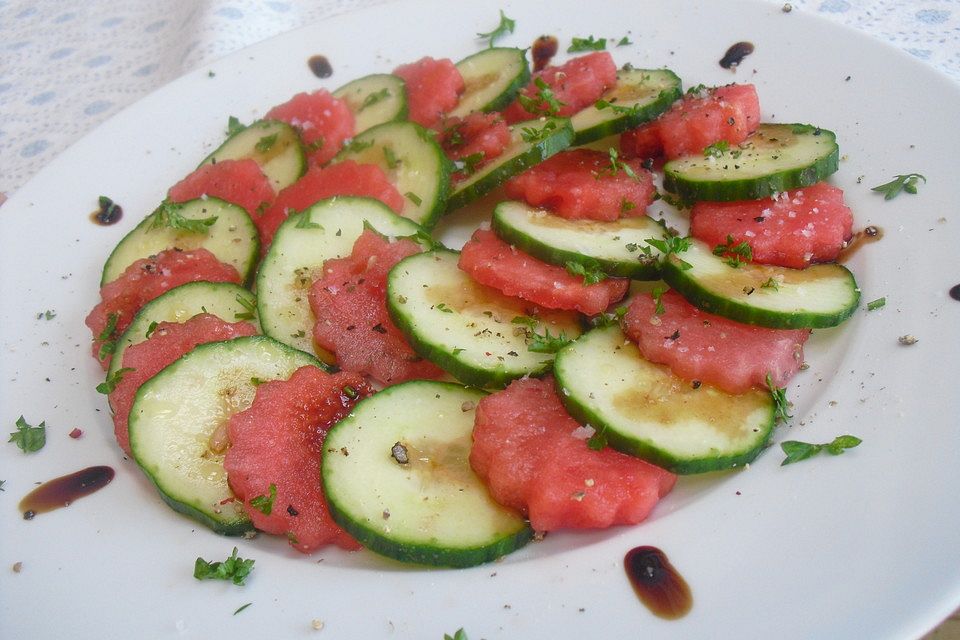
point(587, 44)
point(153, 327)
point(626, 205)
point(609, 319)
point(350, 392)
point(242, 607)
point(600, 105)
point(233, 568)
point(440, 306)
point(671, 244)
point(734, 254)
point(892, 189)
point(266, 143)
point(425, 240)
point(797, 451)
point(304, 222)
point(356, 146)
point(771, 283)
point(47, 315)
point(459, 635)
point(599, 439)
point(168, 215)
point(392, 161)
point(234, 125)
point(588, 269)
point(617, 165)
point(374, 98)
point(547, 343)
point(544, 102)
point(250, 309)
point(716, 149)
point(879, 303)
point(780, 403)
point(533, 134)
point(264, 504)
point(506, 26)
point(527, 321)
point(107, 386)
point(29, 438)
point(2, 482)
point(457, 351)
point(468, 164)
point(657, 295)
point(107, 337)
point(414, 198)
point(624, 41)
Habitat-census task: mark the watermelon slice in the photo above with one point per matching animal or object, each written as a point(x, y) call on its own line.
point(577, 84)
point(324, 122)
point(238, 181)
point(534, 458)
point(277, 443)
point(478, 135)
point(491, 261)
point(701, 346)
point(433, 88)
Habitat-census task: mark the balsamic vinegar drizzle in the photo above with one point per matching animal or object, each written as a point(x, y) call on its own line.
point(108, 213)
point(735, 54)
point(657, 583)
point(544, 48)
point(869, 235)
point(320, 66)
point(60, 492)
point(955, 292)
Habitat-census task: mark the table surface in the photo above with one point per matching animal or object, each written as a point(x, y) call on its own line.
point(65, 67)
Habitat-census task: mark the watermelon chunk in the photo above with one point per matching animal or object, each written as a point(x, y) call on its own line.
point(491, 261)
point(238, 181)
point(729, 113)
point(534, 458)
point(143, 281)
point(323, 121)
point(642, 142)
point(278, 441)
point(433, 88)
point(169, 341)
point(350, 305)
point(796, 228)
point(576, 84)
point(479, 134)
point(582, 184)
point(345, 178)
point(701, 346)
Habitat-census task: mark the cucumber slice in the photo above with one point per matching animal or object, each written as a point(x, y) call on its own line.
point(225, 300)
point(646, 411)
point(432, 509)
point(492, 78)
point(301, 245)
point(412, 160)
point(548, 135)
point(775, 158)
point(616, 248)
point(281, 158)
point(233, 238)
point(822, 295)
point(639, 96)
point(178, 412)
point(467, 328)
point(374, 99)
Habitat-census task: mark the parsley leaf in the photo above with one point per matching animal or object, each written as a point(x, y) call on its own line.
point(27, 437)
point(879, 303)
point(533, 134)
point(108, 336)
point(266, 143)
point(304, 222)
point(469, 164)
point(527, 321)
point(392, 160)
point(440, 306)
point(264, 504)
point(547, 343)
point(234, 125)
point(459, 635)
point(242, 607)
point(780, 403)
point(671, 244)
point(107, 386)
point(587, 44)
point(153, 327)
point(374, 98)
point(250, 309)
point(797, 451)
point(544, 102)
point(599, 439)
point(617, 165)
point(771, 283)
point(233, 568)
point(716, 149)
point(588, 269)
point(734, 254)
point(414, 198)
point(48, 314)
point(609, 319)
point(423, 238)
point(634, 109)
point(356, 146)
point(168, 215)
point(657, 295)
point(624, 41)
point(892, 189)
point(506, 26)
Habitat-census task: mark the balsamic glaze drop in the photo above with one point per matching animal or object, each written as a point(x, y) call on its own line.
point(60, 492)
point(544, 48)
point(658, 585)
point(955, 292)
point(320, 66)
point(735, 54)
point(108, 213)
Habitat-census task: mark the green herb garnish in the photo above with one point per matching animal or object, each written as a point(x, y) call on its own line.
point(547, 343)
point(304, 222)
point(233, 568)
point(27, 437)
point(468, 164)
point(440, 306)
point(600, 105)
point(892, 189)
point(414, 198)
point(771, 283)
point(716, 149)
point(617, 165)
point(264, 504)
point(234, 125)
point(780, 403)
point(589, 270)
point(168, 215)
point(150, 329)
point(879, 303)
point(506, 26)
point(356, 146)
point(533, 134)
point(671, 244)
point(374, 98)
point(587, 44)
point(250, 309)
point(734, 254)
point(392, 161)
point(266, 143)
point(797, 451)
point(544, 102)
point(107, 386)
point(459, 635)
point(599, 439)
point(657, 295)
point(624, 41)
point(609, 319)
point(242, 607)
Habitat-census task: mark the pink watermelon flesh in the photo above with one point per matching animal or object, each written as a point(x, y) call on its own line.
point(350, 306)
point(143, 281)
point(794, 229)
point(324, 122)
point(580, 184)
point(168, 342)
point(701, 346)
point(433, 88)
point(278, 441)
point(491, 261)
point(576, 84)
point(346, 178)
point(483, 135)
point(642, 142)
point(238, 181)
point(533, 458)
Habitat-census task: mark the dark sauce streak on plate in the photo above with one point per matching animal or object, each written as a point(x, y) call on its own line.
point(60, 492)
point(108, 213)
point(735, 54)
point(657, 583)
point(869, 235)
point(955, 292)
point(320, 66)
point(543, 50)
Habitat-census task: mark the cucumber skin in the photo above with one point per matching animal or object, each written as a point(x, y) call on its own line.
point(700, 297)
point(301, 152)
point(541, 251)
point(753, 188)
point(498, 378)
point(557, 142)
point(510, 92)
point(649, 112)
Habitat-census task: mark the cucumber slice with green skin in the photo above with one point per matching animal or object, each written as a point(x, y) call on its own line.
point(639, 96)
point(432, 509)
point(282, 158)
point(616, 248)
point(516, 158)
point(233, 238)
point(646, 411)
point(295, 260)
point(822, 295)
point(180, 412)
point(222, 299)
point(492, 79)
point(466, 328)
point(374, 99)
point(775, 158)
point(413, 162)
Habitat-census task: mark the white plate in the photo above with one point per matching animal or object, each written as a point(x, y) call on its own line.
point(865, 545)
